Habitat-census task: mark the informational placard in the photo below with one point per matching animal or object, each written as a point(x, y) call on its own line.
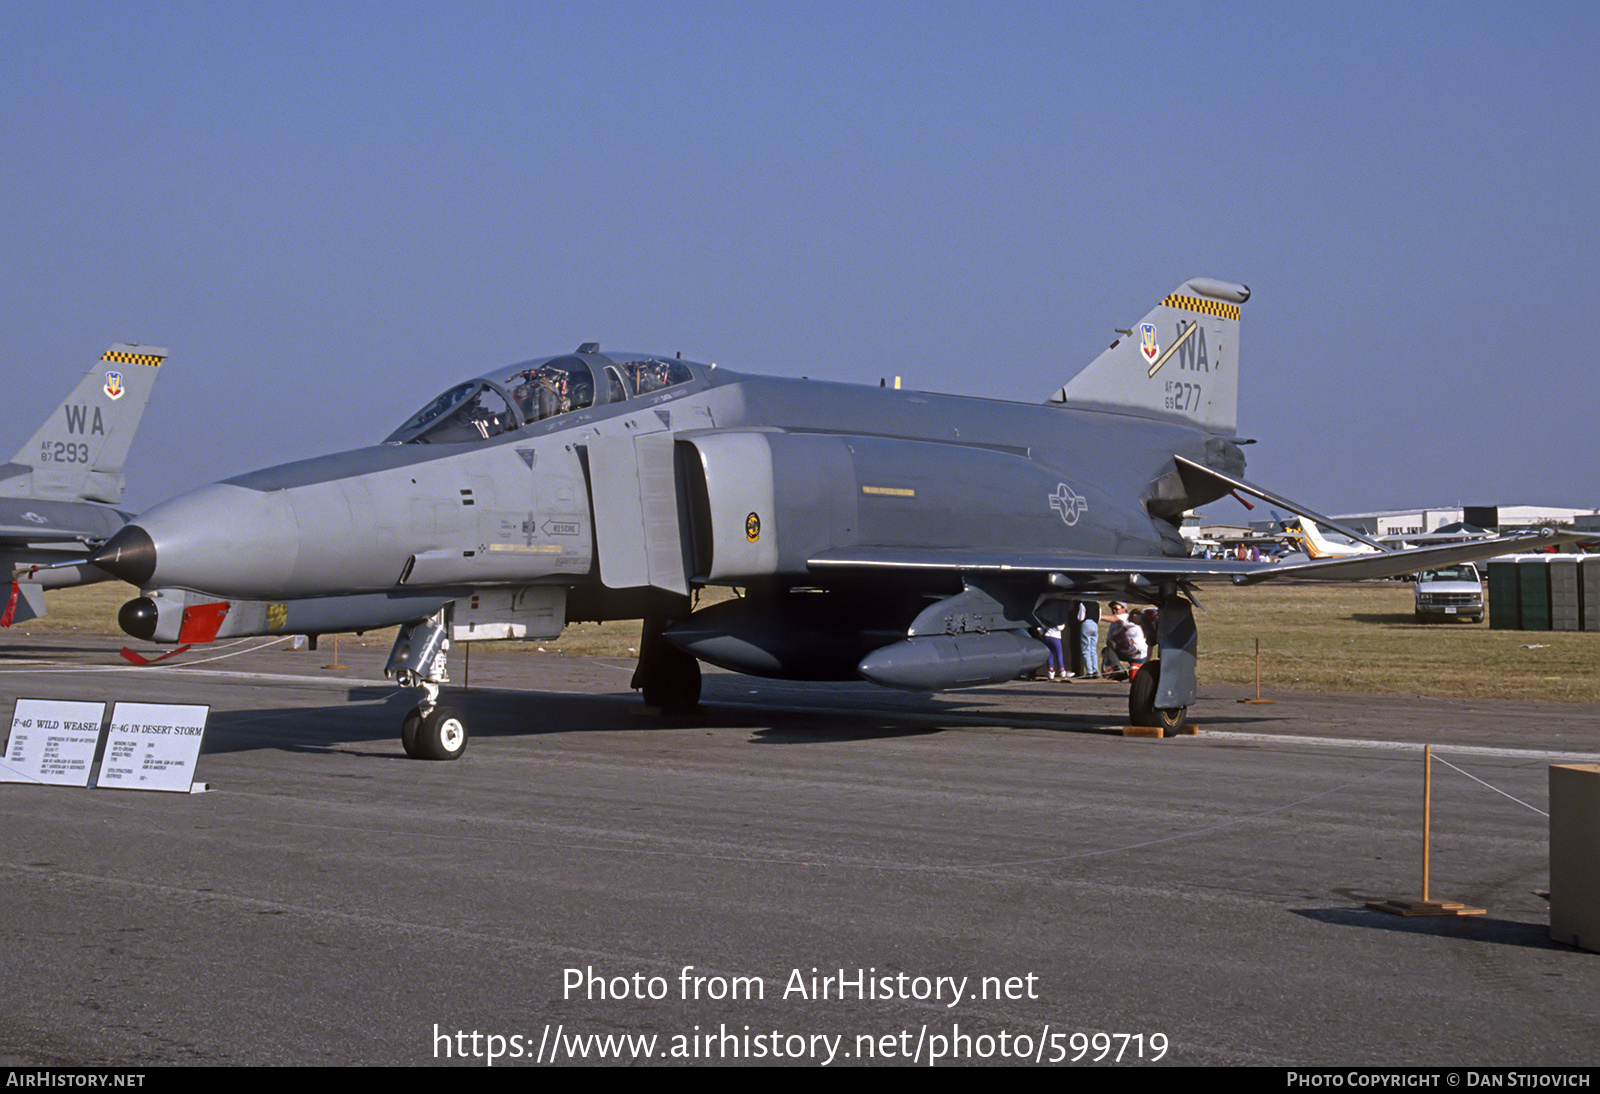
point(153, 746)
point(52, 742)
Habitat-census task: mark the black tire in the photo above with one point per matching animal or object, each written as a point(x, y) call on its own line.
point(675, 685)
point(667, 678)
point(441, 735)
point(409, 729)
point(1142, 709)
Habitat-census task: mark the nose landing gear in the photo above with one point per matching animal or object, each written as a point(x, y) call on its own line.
point(431, 731)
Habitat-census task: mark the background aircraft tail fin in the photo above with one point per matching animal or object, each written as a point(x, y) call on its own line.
point(1181, 360)
point(77, 455)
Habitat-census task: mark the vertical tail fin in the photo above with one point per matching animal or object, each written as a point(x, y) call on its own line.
point(1181, 360)
point(77, 455)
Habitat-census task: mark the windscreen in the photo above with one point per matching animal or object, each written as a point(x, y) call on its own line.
point(536, 391)
point(473, 411)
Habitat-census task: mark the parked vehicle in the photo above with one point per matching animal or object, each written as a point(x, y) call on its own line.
point(1450, 591)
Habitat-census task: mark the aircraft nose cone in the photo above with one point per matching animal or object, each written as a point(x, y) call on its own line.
point(221, 540)
point(129, 555)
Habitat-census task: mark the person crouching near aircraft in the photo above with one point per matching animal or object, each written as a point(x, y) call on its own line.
point(1125, 642)
point(1148, 620)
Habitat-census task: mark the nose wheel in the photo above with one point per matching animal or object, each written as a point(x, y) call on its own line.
point(439, 734)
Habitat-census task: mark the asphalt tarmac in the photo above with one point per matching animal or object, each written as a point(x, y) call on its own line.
point(823, 873)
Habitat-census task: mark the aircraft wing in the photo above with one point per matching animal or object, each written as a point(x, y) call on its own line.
point(939, 560)
point(1112, 572)
point(1391, 563)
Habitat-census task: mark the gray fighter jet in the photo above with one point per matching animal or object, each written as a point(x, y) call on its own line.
point(903, 537)
point(57, 493)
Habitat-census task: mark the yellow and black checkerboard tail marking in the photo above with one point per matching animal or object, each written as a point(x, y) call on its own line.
point(130, 355)
point(1218, 308)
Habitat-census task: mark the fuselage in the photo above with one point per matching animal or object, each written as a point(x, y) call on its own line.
point(767, 473)
point(948, 471)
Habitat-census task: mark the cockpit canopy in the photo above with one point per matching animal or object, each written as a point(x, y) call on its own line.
point(533, 391)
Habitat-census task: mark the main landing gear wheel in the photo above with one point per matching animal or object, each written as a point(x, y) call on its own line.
point(675, 691)
point(1142, 709)
point(668, 677)
point(441, 734)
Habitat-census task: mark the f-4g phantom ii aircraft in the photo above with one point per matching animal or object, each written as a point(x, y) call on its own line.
point(898, 536)
point(57, 492)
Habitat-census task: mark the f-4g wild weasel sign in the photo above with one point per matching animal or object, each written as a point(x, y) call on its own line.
point(901, 537)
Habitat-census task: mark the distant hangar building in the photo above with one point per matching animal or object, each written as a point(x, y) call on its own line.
point(1416, 522)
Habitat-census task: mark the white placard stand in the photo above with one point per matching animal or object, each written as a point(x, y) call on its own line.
point(153, 746)
point(52, 742)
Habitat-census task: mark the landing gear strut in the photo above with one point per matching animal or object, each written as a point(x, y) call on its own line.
point(668, 677)
point(431, 731)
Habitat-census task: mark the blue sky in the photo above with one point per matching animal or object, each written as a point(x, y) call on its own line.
point(330, 211)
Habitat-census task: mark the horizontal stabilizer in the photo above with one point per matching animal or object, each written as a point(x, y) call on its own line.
point(1192, 472)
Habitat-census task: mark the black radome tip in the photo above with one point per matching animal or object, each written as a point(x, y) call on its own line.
point(129, 555)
